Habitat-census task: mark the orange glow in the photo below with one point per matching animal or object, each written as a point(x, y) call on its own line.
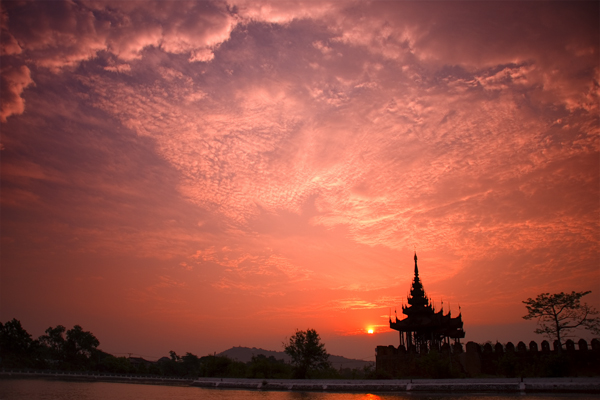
point(175, 185)
point(370, 396)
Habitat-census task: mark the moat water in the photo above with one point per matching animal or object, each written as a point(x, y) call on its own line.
point(33, 389)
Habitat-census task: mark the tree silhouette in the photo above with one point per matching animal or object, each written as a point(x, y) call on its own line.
point(307, 353)
point(560, 313)
point(80, 343)
point(17, 348)
point(54, 341)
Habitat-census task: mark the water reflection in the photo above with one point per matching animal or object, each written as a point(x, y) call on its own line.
point(25, 389)
point(370, 396)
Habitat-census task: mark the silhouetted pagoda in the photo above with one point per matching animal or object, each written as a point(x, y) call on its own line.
point(424, 328)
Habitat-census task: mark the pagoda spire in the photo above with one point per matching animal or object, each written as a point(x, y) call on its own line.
point(416, 268)
point(424, 328)
point(417, 293)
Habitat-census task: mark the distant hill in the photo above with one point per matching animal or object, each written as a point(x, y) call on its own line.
point(244, 354)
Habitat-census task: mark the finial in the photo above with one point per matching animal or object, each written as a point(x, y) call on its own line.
point(416, 268)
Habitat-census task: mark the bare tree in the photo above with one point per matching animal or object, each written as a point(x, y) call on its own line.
point(557, 314)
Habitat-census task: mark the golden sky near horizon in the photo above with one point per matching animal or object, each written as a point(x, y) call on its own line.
point(200, 175)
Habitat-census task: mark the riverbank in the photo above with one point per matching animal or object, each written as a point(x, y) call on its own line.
point(481, 385)
point(498, 385)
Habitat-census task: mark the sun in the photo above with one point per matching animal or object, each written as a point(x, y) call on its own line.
point(370, 331)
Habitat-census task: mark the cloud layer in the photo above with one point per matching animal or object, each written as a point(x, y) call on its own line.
point(287, 157)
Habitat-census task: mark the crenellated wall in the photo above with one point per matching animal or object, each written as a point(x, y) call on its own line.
point(575, 359)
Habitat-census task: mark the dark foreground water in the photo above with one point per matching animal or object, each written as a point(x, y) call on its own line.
point(26, 389)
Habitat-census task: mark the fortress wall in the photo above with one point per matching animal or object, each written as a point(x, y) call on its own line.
point(576, 359)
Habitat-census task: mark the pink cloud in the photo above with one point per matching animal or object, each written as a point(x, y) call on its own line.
point(121, 68)
point(14, 80)
point(64, 34)
point(8, 44)
point(450, 135)
point(284, 12)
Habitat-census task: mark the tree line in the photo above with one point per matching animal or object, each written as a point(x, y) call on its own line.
point(59, 348)
point(77, 350)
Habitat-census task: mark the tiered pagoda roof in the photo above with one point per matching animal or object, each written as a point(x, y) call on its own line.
point(422, 322)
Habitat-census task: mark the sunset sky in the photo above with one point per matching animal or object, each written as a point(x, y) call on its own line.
point(193, 176)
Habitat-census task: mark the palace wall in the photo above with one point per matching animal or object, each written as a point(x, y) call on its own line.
point(576, 359)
